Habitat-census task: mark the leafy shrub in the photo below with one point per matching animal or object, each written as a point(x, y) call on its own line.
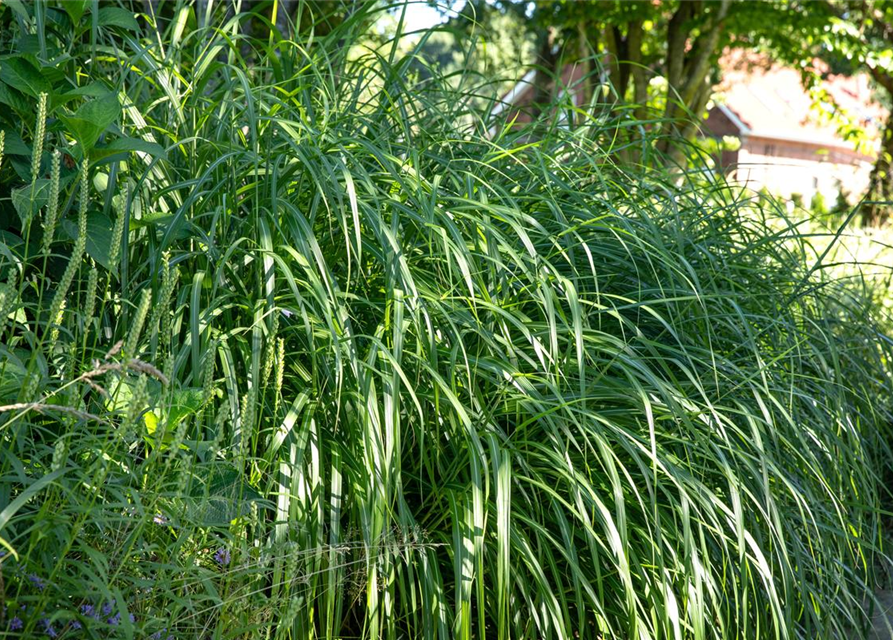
point(817, 206)
point(326, 353)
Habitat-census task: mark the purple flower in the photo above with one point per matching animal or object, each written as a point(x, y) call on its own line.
point(76, 625)
point(89, 611)
point(222, 556)
point(159, 635)
point(48, 628)
point(108, 607)
point(115, 620)
point(16, 624)
point(37, 581)
point(160, 519)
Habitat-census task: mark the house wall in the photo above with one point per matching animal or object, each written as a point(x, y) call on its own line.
point(718, 125)
point(520, 108)
point(787, 167)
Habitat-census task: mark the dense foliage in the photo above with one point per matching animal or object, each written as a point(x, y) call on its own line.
point(304, 347)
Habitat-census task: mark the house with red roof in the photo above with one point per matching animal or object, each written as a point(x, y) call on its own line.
point(788, 146)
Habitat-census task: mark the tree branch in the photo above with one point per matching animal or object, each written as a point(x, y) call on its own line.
point(676, 38)
point(634, 38)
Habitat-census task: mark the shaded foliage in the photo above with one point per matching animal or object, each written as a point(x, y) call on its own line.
point(344, 358)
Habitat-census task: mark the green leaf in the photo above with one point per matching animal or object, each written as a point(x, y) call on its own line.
point(14, 145)
point(18, 8)
point(92, 119)
point(160, 219)
point(127, 145)
point(29, 43)
point(12, 372)
point(184, 403)
point(153, 218)
point(75, 9)
point(99, 236)
point(28, 201)
point(151, 420)
point(117, 17)
point(23, 498)
point(24, 76)
point(9, 242)
point(220, 496)
point(15, 99)
point(121, 393)
point(94, 89)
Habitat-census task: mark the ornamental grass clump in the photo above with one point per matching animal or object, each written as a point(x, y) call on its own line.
point(425, 375)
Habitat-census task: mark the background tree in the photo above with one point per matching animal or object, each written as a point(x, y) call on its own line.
point(860, 38)
point(626, 48)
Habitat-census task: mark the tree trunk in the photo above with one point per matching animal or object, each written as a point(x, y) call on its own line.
point(876, 211)
point(634, 36)
point(625, 67)
point(150, 7)
point(677, 36)
point(585, 53)
point(284, 11)
point(618, 55)
point(687, 131)
point(201, 12)
point(544, 79)
point(687, 72)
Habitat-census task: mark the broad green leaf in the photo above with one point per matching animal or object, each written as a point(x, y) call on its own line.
point(54, 76)
point(121, 393)
point(10, 241)
point(92, 119)
point(117, 17)
point(185, 402)
point(124, 146)
point(220, 495)
point(99, 235)
point(28, 200)
point(12, 372)
point(18, 8)
point(14, 145)
point(24, 76)
point(75, 9)
point(94, 89)
point(12, 98)
point(151, 419)
point(159, 219)
point(101, 181)
point(23, 498)
point(29, 43)
point(150, 219)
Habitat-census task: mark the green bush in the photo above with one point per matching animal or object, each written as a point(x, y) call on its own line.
point(314, 351)
point(817, 206)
